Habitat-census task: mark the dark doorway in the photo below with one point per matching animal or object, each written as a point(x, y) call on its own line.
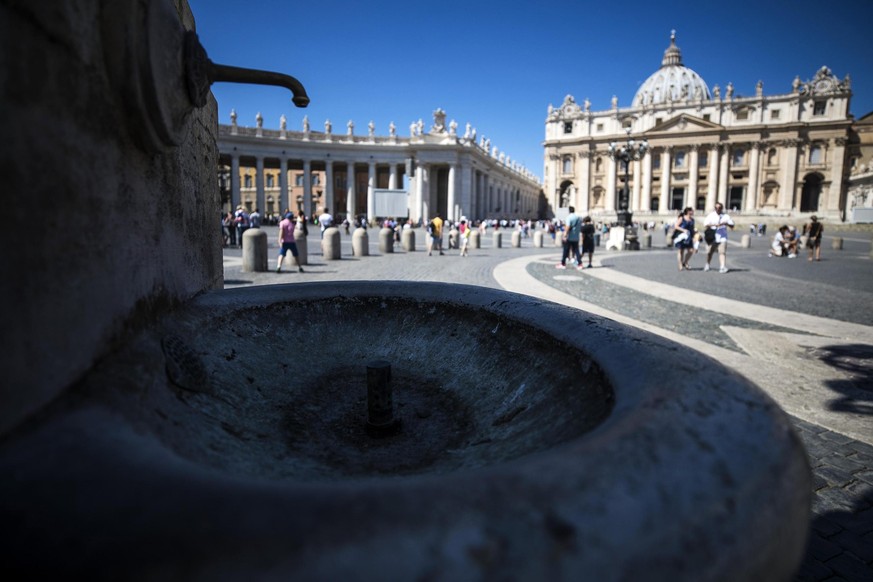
point(809, 197)
point(735, 198)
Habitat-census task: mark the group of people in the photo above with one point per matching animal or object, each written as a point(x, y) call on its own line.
point(786, 241)
point(577, 230)
point(687, 239)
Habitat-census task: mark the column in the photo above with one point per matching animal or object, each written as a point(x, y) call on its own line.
point(583, 194)
point(307, 188)
point(392, 177)
point(451, 211)
point(371, 194)
point(328, 188)
point(789, 175)
point(713, 177)
point(693, 177)
point(234, 183)
point(666, 173)
point(609, 205)
point(480, 204)
point(261, 198)
point(635, 199)
point(751, 201)
point(646, 194)
point(724, 164)
point(832, 202)
point(350, 195)
point(465, 204)
point(284, 196)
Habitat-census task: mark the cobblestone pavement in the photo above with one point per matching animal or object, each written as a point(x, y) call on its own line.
point(834, 293)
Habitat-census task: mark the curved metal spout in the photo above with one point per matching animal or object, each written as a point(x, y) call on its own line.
point(218, 73)
point(201, 72)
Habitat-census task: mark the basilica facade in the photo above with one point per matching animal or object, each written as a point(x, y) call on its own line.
point(436, 170)
point(780, 155)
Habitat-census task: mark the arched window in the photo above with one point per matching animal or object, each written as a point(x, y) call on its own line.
point(270, 179)
point(567, 165)
point(772, 157)
point(598, 165)
point(247, 181)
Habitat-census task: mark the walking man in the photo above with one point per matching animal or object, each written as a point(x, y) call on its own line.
point(715, 235)
point(570, 240)
point(287, 242)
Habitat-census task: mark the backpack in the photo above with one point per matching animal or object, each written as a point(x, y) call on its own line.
point(430, 228)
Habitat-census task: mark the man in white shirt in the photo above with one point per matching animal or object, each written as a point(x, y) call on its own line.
point(325, 220)
point(716, 226)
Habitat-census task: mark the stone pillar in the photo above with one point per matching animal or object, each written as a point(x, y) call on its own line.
point(476, 239)
point(234, 182)
point(260, 193)
point(746, 241)
point(724, 166)
point(254, 250)
point(307, 188)
point(666, 174)
point(516, 239)
point(302, 245)
point(497, 238)
point(386, 240)
point(392, 177)
point(328, 187)
point(407, 240)
point(330, 244)
point(451, 211)
point(751, 200)
point(583, 194)
point(712, 188)
point(609, 205)
point(646, 194)
point(419, 194)
point(635, 200)
point(371, 194)
point(360, 242)
point(834, 193)
point(788, 187)
point(693, 177)
point(538, 239)
point(284, 196)
point(350, 195)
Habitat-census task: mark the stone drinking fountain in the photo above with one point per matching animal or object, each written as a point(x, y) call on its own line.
point(158, 427)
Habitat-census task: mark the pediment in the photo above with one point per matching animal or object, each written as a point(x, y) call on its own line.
point(684, 123)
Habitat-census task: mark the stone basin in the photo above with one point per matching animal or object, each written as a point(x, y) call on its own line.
point(535, 442)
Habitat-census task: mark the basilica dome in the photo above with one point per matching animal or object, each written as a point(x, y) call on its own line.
point(672, 82)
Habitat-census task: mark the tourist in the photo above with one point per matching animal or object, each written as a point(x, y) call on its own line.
point(779, 246)
point(286, 241)
point(587, 232)
point(325, 221)
point(464, 235)
point(813, 232)
point(683, 237)
point(241, 221)
point(255, 219)
point(435, 235)
point(716, 237)
point(570, 240)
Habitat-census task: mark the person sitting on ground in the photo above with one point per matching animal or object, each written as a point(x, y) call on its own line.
point(779, 247)
point(791, 240)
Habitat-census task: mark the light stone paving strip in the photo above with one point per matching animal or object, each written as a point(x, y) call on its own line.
point(771, 359)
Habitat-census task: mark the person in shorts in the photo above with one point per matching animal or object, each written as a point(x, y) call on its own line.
point(286, 241)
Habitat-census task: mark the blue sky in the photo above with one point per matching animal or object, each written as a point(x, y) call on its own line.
point(498, 65)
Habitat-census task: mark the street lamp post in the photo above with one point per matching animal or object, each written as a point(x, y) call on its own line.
point(630, 151)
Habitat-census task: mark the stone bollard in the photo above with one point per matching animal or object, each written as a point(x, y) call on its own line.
point(498, 240)
point(360, 243)
point(516, 239)
point(746, 241)
point(302, 247)
point(647, 240)
point(407, 240)
point(475, 239)
point(558, 241)
point(386, 240)
point(254, 250)
point(330, 244)
point(453, 238)
point(837, 243)
point(538, 239)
